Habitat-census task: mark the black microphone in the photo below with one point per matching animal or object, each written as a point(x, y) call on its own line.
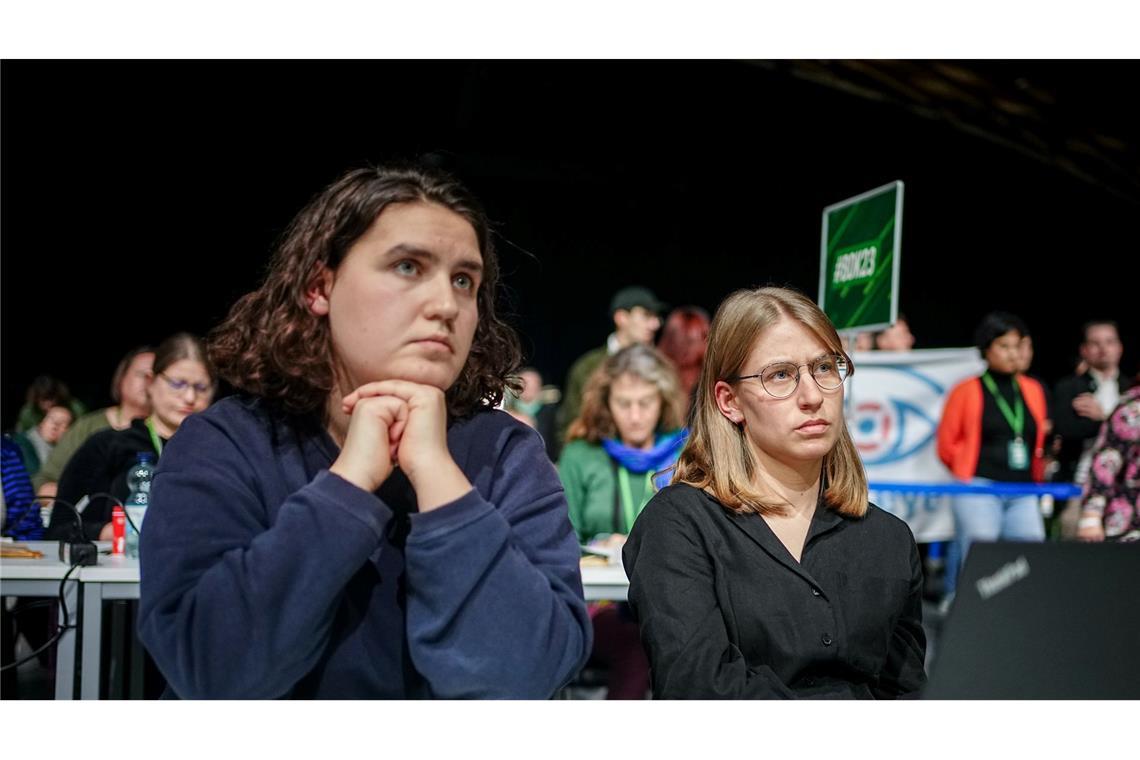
point(77, 552)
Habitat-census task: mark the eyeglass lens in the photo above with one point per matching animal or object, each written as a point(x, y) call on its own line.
point(781, 379)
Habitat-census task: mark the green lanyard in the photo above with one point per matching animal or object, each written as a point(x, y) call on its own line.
point(627, 496)
point(154, 439)
point(1016, 416)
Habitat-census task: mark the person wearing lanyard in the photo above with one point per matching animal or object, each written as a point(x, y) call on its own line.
point(180, 383)
point(620, 450)
point(993, 430)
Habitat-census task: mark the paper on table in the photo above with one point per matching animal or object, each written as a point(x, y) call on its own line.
point(612, 554)
point(15, 551)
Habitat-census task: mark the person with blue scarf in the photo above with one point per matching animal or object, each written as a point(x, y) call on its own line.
point(620, 451)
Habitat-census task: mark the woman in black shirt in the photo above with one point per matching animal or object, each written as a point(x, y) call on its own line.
point(180, 383)
point(762, 571)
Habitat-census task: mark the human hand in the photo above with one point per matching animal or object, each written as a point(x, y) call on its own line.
point(420, 445)
point(374, 428)
point(107, 533)
point(1090, 528)
point(1086, 405)
point(614, 541)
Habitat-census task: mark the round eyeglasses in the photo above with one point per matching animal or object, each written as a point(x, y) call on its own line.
point(781, 379)
point(180, 386)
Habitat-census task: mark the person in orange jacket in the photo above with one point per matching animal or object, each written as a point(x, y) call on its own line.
point(993, 431)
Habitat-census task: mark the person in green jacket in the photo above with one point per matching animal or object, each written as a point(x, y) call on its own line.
point(620, 450)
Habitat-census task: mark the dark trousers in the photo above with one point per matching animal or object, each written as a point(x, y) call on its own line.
point(617, 647)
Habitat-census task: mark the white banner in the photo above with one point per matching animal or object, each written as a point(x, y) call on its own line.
point(893, 404)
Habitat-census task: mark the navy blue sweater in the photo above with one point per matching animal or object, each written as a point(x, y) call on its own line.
point(264, 575)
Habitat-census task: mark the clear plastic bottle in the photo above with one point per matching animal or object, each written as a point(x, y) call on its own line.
point(138, 480)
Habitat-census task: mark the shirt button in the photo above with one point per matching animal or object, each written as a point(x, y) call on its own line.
point(814, 591)
point(826, 639)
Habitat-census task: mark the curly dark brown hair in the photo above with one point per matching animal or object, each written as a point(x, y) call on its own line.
point(271, 345)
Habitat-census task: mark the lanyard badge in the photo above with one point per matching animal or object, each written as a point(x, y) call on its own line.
point(1017, 453)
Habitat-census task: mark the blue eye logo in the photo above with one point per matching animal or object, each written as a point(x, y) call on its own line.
point(894, 413)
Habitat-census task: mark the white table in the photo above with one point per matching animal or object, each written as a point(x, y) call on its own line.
point(118, 578)
point(41, 577)
point(605, 582)
point(115, 577)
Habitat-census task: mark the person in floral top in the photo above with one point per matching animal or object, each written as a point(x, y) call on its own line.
point(1110, 506)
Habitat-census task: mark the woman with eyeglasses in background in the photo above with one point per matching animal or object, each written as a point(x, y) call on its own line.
point(763, 571)
point(128, 389)
point(180, 383)
point(619, 450)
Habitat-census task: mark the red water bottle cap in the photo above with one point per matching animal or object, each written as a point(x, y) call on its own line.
point(118, 530)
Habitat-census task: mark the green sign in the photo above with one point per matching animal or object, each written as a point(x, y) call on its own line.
point(859, 259)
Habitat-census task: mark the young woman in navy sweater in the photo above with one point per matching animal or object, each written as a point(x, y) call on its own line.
point(359, 521)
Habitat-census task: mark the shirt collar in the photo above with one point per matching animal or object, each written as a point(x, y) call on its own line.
point(824, 520)
point(1103, 377)
point(613, 345)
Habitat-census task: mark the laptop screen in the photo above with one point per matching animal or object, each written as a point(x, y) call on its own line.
point(1042, 621)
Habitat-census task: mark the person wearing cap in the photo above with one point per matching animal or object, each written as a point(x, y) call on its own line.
point(635, 311)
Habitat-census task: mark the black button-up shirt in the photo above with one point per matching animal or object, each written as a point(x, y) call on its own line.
point(726, 612)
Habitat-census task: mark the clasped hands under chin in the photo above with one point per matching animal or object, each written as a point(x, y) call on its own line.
point(400, 423)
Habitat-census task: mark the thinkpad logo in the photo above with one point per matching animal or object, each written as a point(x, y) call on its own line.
point(1008, 575)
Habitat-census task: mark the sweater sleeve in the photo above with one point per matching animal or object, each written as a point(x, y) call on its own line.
point(950, 433)
point(231, 605)
point(21, 510)
point(495, 606)
point(573, 481)
point(1066, 422)
point(672, 589)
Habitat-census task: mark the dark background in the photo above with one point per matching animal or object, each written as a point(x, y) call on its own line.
point(141, 198)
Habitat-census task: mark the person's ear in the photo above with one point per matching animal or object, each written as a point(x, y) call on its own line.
point(727, 402)
point(317, 295)
point(621, 319)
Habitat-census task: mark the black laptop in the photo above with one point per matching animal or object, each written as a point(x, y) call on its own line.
point(1042, 621)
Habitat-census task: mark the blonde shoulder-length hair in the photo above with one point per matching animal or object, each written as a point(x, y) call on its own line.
point(596, 422)
point(716, 457)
